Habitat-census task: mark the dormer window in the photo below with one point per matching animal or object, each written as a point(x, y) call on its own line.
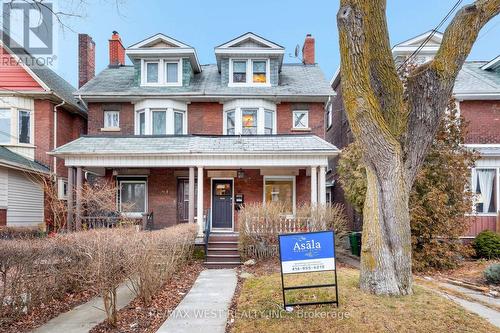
point(249, 72)
point(162, 72)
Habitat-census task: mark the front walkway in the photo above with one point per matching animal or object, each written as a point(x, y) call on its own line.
point(205, 308)
point(85, 316)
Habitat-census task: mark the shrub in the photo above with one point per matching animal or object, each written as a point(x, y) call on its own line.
point(492, 274)
point(35, 271)
point(21, 233)
point(261, 224)
point(487, 245)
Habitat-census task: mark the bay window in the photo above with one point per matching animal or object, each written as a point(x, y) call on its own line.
point(132, 195)
point(485, 189)
point(249, 72)
point(249, 117)
point(167, 121)
point(280, 190)
point(5, 130)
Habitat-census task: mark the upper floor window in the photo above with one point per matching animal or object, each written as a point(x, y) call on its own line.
point(111, 119)
point(14, 131)
point(248, 120)
point(161, 122)
point(301, 119)
point(249, 72)
point(329, 116)
point(162, 72)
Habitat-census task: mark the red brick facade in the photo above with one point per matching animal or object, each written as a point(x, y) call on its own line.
point(483, 119)
point(96, 118)
point(205, 118)
point(316, 118)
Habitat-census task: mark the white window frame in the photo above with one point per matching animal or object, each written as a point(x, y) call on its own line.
point(307, 127)
point(106, 126)
point(329, 116)
point(170, 119)
point(294, 190)
point(249, 73)
point(162, 72)
point(238, 105)
point(497, 187)
point(122, 180)
point(61, 194)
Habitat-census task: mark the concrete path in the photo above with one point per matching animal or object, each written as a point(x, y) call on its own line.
point(472, 294)
point(85, 316)
point(483, 311)
point(205, 307)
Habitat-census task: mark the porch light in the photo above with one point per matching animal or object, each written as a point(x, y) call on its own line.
point(241, 174)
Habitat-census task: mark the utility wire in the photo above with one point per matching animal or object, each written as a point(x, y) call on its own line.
point(429, 37)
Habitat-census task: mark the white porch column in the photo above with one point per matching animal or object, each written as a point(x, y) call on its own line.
point(314, 187)
point(69, 221)
point(79, 185)
point(322, 185)
point(199, 214)
point(191, 195)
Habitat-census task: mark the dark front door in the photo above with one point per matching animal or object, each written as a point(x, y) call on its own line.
point(183, 200)
point(222, 203)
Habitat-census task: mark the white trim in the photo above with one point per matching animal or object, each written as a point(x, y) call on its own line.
point(249, 73)
point(162, 66)
point(307, 127)
point(158, 36)
point(60, 188)
point(497, 189)
point(110, 128)
point(249, 35)
point(211, 204)
point(278, 178)
point(494, 95)
point(491, 63)
point(169, 119)
point(119, 195)
point(239, 105)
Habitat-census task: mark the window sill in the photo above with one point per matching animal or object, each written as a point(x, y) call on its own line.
point(481, 214)
point(110, 129)
point(252, 85)
point(23, 145)
point(308, 129)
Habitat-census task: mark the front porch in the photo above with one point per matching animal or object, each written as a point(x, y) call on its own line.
point(198, 179)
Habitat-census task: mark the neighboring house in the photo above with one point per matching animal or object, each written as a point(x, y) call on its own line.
point(191, 142)
point(477, 92)
point(38, 113)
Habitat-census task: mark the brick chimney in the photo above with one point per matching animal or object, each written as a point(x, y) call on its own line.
point(116, 51)
point(308, 51)
point(86, 59)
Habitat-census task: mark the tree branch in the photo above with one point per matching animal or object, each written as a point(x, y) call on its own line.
point(430, 86)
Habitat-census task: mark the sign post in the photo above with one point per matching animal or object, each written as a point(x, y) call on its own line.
point(307, 253)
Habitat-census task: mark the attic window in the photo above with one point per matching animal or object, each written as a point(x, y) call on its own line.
point(162, 72)
point(152, 72)
point(251, 72)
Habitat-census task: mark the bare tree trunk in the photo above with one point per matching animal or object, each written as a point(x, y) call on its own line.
point(386, 253)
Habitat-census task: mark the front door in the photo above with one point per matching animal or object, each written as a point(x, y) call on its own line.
point(222, 203)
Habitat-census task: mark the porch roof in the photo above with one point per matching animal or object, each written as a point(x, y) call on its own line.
point(184, 150)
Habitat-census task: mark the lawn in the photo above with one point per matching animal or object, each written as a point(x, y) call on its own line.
point(259, 309)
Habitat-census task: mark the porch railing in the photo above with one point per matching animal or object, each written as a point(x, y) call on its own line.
point(208, 222)
point(102, 222)
point(284, 225)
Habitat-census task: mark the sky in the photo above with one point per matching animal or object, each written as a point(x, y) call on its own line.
point(205, 24)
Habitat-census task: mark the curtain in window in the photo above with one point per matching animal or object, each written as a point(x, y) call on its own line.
point(172, 72)
point(269, 122)
point(133, 197)
point(230, 122)
point(259, 71)
point(152, 72)
point(249, 122)
point(112, 119)
point(178, 123)
point(239, 71)
point(159, 122)
point(24, 127)
point(280, 191)
point(486, 178)
point(5, 125)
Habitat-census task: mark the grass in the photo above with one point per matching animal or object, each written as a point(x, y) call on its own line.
point(259, 309)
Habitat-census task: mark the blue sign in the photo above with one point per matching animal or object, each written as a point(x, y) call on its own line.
point(307, 252)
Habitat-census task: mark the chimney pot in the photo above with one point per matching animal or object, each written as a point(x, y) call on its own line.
point(86, 59)
point(116, 51)
point(308, 56)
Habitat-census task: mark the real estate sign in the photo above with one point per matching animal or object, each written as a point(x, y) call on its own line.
point(307, 253)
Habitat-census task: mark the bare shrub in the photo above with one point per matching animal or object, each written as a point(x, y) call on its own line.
point(35, 271)
point(158, 255)
point(261, 224)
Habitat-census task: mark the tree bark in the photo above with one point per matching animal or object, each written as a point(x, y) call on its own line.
point(395, 129)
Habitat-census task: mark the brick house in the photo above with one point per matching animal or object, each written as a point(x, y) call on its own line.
point(38, 113)
point(477, 93)
point(189, 142)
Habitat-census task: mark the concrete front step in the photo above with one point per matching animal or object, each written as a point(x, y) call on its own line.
point(223, 251)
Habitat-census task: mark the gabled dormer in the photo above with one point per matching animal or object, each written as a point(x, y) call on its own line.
point(432, 40)
point(249, 60)
point(163, 61)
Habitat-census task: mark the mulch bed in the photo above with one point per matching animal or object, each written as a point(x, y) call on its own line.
point(137, 317)
point(45, 312)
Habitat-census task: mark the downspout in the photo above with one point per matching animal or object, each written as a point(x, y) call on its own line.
point(55, 133)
